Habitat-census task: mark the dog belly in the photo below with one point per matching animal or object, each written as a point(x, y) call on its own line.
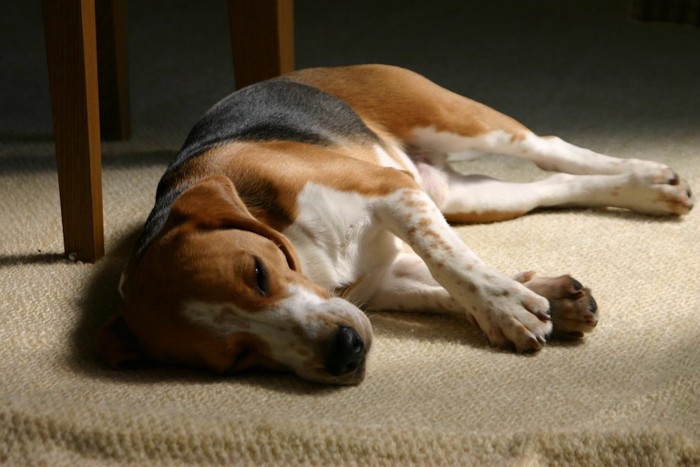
point(336, 238)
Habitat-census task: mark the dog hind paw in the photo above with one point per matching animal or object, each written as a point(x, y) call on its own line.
point(656, 189)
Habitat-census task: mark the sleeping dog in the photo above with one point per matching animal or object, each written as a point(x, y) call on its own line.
point(292, 200)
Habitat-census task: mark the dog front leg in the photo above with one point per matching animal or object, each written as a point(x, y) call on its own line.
point(510, 314)
point(407, 285)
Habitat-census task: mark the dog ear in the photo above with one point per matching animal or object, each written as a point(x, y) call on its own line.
point(213, 203)
point(118, 346)
point(209, 203)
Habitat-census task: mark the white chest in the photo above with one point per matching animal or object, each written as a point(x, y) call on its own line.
point(337, 238)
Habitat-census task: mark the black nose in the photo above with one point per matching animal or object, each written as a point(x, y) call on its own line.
point(346, 352)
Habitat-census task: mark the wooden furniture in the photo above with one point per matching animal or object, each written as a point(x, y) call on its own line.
point(79, 35)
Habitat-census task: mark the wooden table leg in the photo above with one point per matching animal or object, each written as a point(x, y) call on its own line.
point(113, 69)
point(69, 28)
point(262, 39)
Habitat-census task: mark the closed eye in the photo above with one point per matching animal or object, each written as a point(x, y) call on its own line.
point(260, 277)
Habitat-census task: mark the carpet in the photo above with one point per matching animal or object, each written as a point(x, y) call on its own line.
point(435, 392)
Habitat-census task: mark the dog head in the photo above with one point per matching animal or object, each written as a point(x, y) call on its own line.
point(219, 289)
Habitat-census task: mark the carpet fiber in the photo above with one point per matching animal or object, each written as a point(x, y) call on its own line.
point(435, 393)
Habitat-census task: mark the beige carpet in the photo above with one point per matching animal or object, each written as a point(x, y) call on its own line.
point(435, 392)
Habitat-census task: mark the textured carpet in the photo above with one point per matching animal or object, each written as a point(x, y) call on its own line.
point(435, 392)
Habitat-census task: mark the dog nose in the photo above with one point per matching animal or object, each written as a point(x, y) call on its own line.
point(346, 353)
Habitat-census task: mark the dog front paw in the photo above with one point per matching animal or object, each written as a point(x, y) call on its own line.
point(574, 310)
point(513, 317)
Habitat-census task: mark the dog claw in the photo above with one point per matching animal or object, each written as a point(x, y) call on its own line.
point(533, 344)
point(592, 305)
point(545, 315)
point(576, 285)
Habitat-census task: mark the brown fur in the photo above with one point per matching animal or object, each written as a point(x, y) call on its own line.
point(448, 111)
point(271, 198)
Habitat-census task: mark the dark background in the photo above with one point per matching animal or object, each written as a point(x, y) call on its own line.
point(552, 64)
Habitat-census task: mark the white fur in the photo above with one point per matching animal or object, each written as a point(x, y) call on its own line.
point(404, 162)
point(346, 239)
point(427, 174)
point(431, 139)
point(337, 238)
point(504, 309)
point(300, 309)
point(595, 180)
point(549, 153)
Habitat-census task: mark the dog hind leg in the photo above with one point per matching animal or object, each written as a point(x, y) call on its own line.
point(480, 199)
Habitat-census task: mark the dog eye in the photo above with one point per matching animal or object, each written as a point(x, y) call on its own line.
point(260, 277)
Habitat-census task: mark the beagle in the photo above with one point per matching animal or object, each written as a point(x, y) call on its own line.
point(289, 206)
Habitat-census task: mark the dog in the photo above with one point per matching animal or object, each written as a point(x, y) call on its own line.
point(289, 206)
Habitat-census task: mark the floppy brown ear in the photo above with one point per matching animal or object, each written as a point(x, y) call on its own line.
point(213, 203)
point(118, 346)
